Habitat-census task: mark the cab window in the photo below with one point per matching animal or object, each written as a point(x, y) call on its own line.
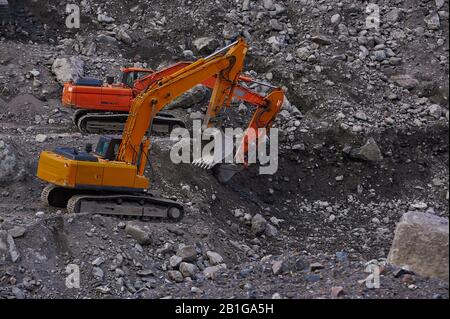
point(102, 148)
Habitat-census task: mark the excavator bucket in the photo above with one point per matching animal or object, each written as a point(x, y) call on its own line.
point(225, 172)
point(215, 159)
point(216, 151)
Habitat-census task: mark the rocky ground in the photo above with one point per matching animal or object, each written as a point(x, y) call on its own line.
point(364, 140)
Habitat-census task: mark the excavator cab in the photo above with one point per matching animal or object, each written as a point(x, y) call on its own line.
point(130, 76)
point(107, 147)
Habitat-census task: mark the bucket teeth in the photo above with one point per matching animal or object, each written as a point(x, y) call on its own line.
point(203, 163)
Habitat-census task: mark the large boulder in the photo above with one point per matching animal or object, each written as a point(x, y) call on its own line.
point(68, 69)
point(421, 245)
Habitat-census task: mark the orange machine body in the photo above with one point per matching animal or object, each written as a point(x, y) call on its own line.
point(118, 97)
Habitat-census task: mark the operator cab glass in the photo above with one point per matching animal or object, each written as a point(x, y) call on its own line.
point(108, 147)
point(129, 78)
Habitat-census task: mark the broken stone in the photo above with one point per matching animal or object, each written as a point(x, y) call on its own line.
point(316, 266)
point(8, 247)
point(188, 269)
point(140, 235)
point(276, 296)
point(122, 35)
point(361, 116)
point(145, 273)
point(336, 19)
point(211, 272)
point(205, 45)
point(8, 163)
point(380, 55)
point(421, 244)
point(322, 40)
point(269, 5)
point(214, 258)
point(433, 21)
point(337, 292)
point(258, 225)
point(435, 111)
point(405, 81)
point(303, 53)
point(369, 152)
point(68, 69)
point(40, 214)
point(17, 231)
point(271, 231)
point(98, 273)
point(41, 138)
point(175, 276)
point(193, 97)
point(187, 253)
point(105, 18)
point(175, 261)
point(394, 15)
point(98, 261)
point(278, 267)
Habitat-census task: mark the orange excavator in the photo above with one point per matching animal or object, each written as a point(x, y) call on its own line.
point(103, 107)
point(111, 179)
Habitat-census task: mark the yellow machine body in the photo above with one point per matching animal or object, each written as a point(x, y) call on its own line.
point(106, 175)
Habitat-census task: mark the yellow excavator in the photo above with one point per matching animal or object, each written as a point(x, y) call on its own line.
point(110, 179)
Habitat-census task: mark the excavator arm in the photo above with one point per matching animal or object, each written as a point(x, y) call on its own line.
point(241, 92)
point(223, 72)
point(144, 108)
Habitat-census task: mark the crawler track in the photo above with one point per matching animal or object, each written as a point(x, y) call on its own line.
point(114, 123)
point(146, 207)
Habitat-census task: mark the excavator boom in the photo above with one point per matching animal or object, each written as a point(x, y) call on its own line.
point(228, 68)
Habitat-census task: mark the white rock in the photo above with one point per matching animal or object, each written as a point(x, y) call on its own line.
point(336, 19)
point(435, 111)
point(68, 69)
point(105, 18)
point(40, 138)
